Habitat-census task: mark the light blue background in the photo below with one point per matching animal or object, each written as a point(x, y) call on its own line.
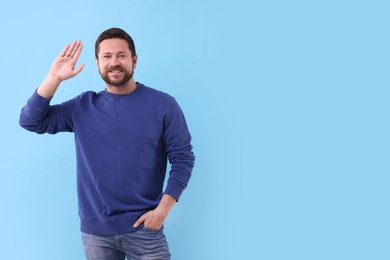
point(287, 102)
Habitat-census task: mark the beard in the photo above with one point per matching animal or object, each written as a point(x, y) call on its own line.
point(120, 82)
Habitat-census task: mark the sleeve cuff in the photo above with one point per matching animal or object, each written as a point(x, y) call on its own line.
point(36, 101)
point(174, 189)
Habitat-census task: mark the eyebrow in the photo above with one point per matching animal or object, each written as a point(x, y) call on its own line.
point(109, 52)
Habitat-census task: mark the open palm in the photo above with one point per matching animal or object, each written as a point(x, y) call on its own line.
point(63, 67)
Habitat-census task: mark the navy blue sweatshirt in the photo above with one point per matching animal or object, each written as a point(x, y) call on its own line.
point(122, 146)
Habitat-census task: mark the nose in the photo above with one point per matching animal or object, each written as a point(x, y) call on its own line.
point(115, 61)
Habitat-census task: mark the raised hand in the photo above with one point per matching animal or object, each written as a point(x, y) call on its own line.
point(63, 67)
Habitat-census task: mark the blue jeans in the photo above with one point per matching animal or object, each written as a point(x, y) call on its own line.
point(143, 244)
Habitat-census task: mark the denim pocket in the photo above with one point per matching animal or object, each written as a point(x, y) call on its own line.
point(146, 241)
point(152, 230)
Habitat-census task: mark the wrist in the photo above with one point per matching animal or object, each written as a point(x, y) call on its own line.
point(53, 79)
point(166, 204)
point(49, 86)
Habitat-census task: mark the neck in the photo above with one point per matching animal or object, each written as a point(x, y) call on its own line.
point(122, 90)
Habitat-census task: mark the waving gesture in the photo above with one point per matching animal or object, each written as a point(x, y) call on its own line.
point(63, 68)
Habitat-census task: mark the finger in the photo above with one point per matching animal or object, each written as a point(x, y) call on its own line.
point(139, 221)
point(70, 49)
point(63, 52)
point(77, 51)
point(79, 69)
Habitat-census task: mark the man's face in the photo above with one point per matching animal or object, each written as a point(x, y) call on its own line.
point(115, 63)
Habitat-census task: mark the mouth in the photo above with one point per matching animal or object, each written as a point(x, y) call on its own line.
point(117, 71)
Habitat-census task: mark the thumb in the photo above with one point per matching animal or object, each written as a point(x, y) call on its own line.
point(79, 69)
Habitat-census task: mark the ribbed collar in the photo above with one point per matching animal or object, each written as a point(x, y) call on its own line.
point(112, 96)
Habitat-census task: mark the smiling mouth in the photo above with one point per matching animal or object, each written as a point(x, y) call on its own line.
point(116, 71)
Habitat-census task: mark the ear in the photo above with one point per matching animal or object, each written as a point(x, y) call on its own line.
point(135, 59)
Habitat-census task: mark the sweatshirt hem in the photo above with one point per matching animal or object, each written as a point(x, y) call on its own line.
point(114, 226)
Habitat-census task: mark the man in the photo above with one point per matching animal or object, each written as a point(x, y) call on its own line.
point(123, 137)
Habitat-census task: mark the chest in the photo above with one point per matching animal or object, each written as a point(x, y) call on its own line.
point(140, 123)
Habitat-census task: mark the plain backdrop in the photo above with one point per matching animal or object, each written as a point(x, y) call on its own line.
point(287, 103)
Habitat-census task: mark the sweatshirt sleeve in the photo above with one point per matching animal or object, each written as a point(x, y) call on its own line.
point(40, 117)
point(178, 146)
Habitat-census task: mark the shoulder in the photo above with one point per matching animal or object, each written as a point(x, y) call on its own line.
point(83, 98)
point(154, 92)
point(157, 96)
point(87, 95)
point(165, 103)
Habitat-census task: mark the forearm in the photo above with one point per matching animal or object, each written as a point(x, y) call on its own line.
point(166, 204)
point(49, 86)
point(180, 173)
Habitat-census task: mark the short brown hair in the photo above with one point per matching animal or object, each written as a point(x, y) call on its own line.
point(115, 33)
